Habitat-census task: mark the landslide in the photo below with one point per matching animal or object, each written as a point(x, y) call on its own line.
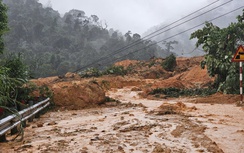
point(74, 92)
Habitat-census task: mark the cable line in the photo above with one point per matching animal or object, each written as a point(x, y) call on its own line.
point(102, 58)
point(140, 41)
point(183, 32)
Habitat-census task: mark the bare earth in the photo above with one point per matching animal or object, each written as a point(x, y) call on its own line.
point(136, 125)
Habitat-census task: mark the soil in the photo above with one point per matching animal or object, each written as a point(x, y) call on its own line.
point(84, 122)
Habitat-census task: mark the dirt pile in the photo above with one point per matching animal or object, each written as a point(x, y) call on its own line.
point(73, 93)
point(194, 77)
point(77, 95)
point(126, 63)
point(187, 74)
point(176, 108)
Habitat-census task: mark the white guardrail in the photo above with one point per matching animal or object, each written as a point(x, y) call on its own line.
point(13, 120)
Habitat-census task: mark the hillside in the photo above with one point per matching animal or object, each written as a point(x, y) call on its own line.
point(52, 44)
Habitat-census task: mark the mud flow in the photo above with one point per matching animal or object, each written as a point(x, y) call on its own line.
point(134, 121)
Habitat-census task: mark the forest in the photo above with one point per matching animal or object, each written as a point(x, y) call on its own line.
point(51, 44)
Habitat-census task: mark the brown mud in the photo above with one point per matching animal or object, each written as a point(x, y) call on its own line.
point(83, 122)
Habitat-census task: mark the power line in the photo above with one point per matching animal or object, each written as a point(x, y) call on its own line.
point(139, 41)
point(190, 19)
point(127, 47)
point(180, 19)
point(183, 32)
point(101, 59)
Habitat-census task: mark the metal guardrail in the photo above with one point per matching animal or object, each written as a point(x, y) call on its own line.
point(13, 120)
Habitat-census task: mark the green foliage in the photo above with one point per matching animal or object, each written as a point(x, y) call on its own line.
point(170, 63)
point(90, 72)
point(109, 99)
point(3, 24)
point(116, 70)
point(16, 67)
point(93, 72)
point(175, 92)
point(8, 88)
point(152, 63)
point(45, 92)
point(220, 45)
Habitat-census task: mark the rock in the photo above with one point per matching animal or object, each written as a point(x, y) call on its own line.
point(52, 123)
point(39, 125)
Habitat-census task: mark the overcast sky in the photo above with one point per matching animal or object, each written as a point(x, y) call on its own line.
point(134, 15)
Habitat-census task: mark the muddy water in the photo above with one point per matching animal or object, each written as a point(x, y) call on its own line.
point(133, 127)
point(225, 125)
point(224, 122)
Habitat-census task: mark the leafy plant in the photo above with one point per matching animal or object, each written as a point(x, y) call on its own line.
point(16, 66)
point(8, 88)
point(170, 63)
point(116, 70)
point(45, 92)
point(90, 72)
point(3, 24)
point(220, 45)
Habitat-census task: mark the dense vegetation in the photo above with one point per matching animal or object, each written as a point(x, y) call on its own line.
point(220, 45)
point(170, 63)
point(15, 89)
point(53, 45)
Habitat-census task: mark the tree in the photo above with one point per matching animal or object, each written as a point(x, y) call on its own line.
point(170, 63)
point(220, 45)
point(94, 18)
point(169, 46)
point(136, 36)
point(3, 24)
point(128, 37)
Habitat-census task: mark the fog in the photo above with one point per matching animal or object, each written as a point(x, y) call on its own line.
point(134, 15)
point(144, 16)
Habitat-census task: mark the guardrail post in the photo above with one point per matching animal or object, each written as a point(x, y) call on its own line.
point(14, 131)
point(31, 104)
point(3, 138)
point(22, 107)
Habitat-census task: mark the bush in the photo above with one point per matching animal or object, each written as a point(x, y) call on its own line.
point(17, 69)
point(170, 63)
point(116, 70)
point(90, 72)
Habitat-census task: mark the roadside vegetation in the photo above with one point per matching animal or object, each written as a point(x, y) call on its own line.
point(15, 89)
point(113, 70)
point(220, 45)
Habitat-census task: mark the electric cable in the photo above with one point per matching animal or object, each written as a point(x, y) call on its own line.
point(128, 46)
point(101, 59)
point(184, 31)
